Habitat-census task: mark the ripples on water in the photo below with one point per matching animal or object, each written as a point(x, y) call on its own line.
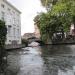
point(44, 60)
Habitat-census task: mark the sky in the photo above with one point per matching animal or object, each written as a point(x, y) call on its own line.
point(29, 9)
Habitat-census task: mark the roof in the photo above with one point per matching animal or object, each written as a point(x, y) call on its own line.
point(12, 6)
point(29, 34)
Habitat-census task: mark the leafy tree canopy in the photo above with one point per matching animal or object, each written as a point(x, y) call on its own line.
point(3, 32)
point(46, 3)
point(62, 14)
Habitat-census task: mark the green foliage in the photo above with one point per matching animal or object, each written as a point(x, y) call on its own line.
point(3, 32)
point(48, 25)
point(62, 15)
point(65, 10)
point(47, 3)
point(25, 42)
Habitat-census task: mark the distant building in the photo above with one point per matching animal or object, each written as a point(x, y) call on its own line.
point(11, 16)
point(28, 36)
point(37, 32)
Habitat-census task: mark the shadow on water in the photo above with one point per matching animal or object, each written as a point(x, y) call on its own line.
point(52, 50)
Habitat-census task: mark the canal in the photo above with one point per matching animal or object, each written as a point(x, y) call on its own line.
point(42, 60)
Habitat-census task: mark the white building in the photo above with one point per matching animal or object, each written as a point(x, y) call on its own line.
point(11, 16)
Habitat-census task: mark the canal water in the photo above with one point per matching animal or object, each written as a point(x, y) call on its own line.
point(42, 60)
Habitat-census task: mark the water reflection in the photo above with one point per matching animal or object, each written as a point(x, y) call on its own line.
point(56, 65)
point(47, 60)
point(53, 50)
point(59, 60)
point(25, 62)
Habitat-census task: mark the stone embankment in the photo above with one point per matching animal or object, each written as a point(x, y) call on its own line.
point(9, 47)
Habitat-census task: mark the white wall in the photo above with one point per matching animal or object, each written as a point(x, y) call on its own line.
point(12, 18)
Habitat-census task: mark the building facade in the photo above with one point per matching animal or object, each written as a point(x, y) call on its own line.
point(11, 16)
point(37, 32)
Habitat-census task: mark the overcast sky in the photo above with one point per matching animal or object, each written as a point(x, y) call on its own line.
point(29, 9)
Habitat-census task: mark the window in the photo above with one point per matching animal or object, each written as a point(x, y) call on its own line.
point(18, 32)
point(14, 30)
point(2, 5)
point(9, 30)
point(9, 40)
point(18, 21)
point(14, 19)
point(3, 16)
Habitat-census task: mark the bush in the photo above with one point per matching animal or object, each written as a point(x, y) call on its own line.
point(24, 42)
point(3, 32)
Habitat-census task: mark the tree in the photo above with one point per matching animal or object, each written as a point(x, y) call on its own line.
point(3, 32)
point(48, 3)
point(62, 15)
point(47, 24)
point(65, 9)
